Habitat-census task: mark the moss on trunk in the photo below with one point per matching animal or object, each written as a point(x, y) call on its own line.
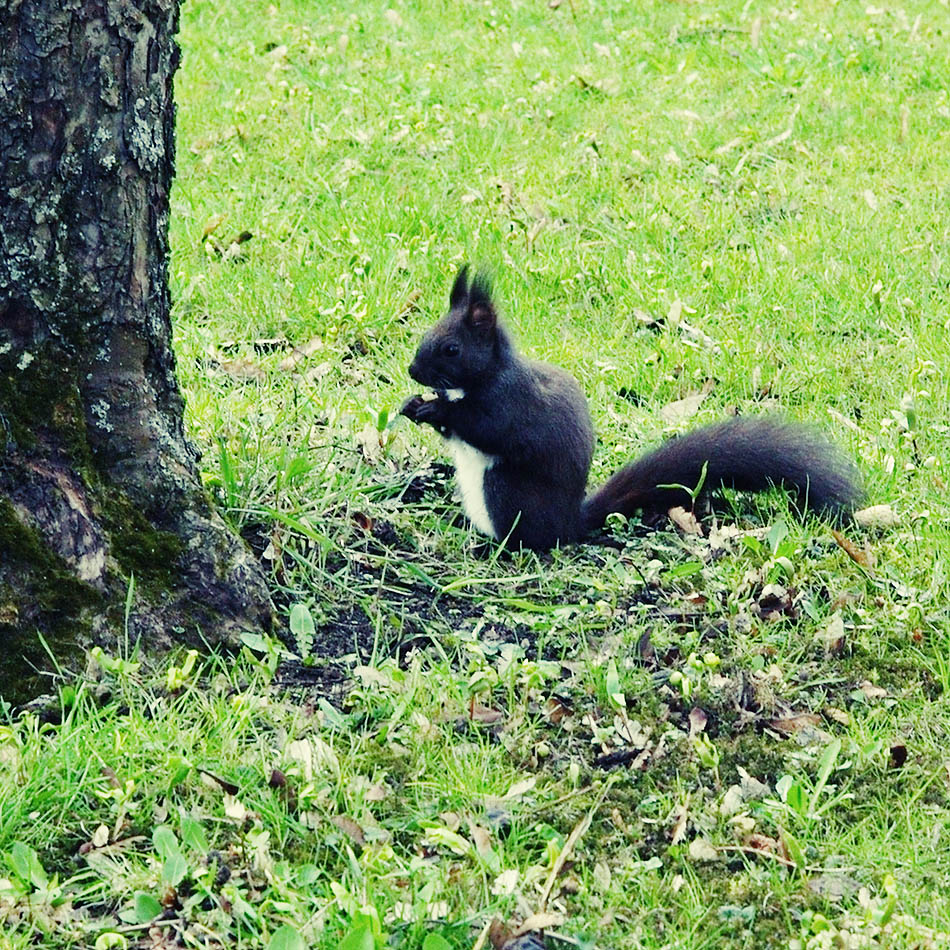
point(48, 597)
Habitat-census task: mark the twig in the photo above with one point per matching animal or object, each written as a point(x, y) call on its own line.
point(483, 936)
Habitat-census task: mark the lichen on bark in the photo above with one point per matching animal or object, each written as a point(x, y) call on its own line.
point(95, 469)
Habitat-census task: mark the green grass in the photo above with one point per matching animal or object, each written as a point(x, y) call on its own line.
point(780, 176)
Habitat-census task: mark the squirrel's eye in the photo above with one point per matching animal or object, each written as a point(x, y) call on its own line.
point(451, 349)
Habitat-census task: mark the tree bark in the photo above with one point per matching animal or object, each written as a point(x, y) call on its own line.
point(98, 481)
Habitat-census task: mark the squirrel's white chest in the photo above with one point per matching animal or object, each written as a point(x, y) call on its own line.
point(470, 468)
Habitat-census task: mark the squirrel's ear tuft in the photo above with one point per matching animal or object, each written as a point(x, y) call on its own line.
point(481, 310)
point(460, 288)
point(481, 288)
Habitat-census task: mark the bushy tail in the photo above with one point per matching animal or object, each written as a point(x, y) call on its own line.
point(746, 453)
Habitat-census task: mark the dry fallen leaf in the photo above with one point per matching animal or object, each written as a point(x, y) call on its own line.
point(481, 838)
point(742, 825)
point(695, 337)
point(557, 709)
point(484, 714)
point(844, 599)
point(701, 850)
point(521, 788)
point(842, 419)
point(865, 557)
point(370, 442)
point(697, 721)
point(235, 810)
point(877, 516)
point(834, 885)
point(752, 788)
point(312, 755)
point(838, 715)
point(833, 635)
point(349, 828)
point(539, 922)
point(732, 802)
point(242, 368)
point(645, 649)
point(721, 537)
point(602, 875)
point(762, 843)
point(727, 147)
point(505, 883)
point(871, 691)
point(318, 372)
point(229, 249)
point(789, 725)
point(679, 816)
point(685, 521)
point(682, 409)
point(905, 123)
point(301, 353)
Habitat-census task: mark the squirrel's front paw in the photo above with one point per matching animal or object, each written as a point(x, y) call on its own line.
point(411, 407)
point(421, 409)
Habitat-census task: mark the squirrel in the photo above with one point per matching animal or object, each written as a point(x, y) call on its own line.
point(522, 440)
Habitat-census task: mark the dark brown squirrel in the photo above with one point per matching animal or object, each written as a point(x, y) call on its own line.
point(522, 440)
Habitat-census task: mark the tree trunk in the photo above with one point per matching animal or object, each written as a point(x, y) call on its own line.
point(97, 479)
